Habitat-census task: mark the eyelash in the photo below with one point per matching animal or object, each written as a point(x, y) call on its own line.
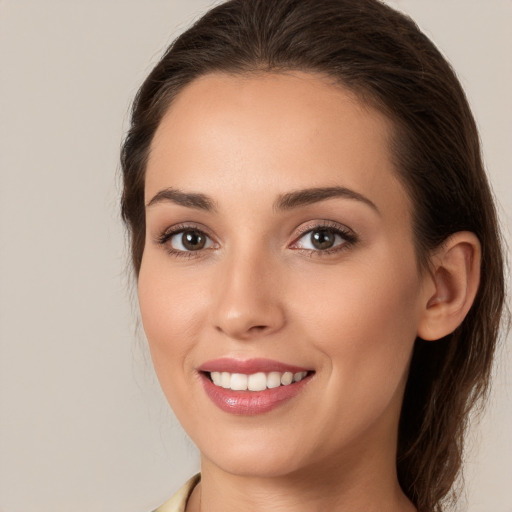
point(164, 238)
point(346, 234)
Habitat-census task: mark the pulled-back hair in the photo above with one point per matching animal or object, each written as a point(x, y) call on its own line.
point(384, 58)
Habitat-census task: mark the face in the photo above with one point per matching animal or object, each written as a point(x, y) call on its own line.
point(279, 248)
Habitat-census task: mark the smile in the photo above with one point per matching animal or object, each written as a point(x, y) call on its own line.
point(255, 381)
point(253, 386)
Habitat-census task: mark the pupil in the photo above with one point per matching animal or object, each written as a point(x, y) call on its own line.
point(322, 239)
point(193, 240)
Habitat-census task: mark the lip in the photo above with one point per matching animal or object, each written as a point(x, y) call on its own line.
point(250, 403)
point(249, 366)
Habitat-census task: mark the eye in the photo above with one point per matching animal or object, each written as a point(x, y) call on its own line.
point(192, 240)
point(319, 240)
point(183, 240)
point(324, 239)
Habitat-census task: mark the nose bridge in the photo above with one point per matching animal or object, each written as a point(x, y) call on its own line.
point(247, 298)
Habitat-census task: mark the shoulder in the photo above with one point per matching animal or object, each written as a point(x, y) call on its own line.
point(178, 502)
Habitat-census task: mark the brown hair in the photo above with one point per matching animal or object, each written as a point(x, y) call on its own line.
point(382, 56)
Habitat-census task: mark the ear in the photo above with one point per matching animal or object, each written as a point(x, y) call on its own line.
point(450, 286)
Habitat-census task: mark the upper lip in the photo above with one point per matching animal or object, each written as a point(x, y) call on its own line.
point(249, 366)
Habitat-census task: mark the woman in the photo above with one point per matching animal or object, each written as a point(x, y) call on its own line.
point(318, 259)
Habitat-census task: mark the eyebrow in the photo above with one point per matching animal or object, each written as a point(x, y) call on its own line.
point(188, 199)
point(314, 195)
point(284, 202)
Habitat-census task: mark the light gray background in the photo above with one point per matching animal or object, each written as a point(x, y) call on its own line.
point(83, 425)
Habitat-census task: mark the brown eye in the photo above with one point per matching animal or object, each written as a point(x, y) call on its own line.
point(322, 239)
point(193, 240)
point(190, 240)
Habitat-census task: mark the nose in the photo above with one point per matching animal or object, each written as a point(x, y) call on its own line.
point(248, 298)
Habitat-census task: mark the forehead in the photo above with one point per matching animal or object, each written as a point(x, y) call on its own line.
point(269, 133)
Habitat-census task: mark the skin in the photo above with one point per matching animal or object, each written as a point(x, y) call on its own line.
point(259, 289)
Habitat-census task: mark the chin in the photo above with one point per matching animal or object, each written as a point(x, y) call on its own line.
point(264, 458)
point(256, 465)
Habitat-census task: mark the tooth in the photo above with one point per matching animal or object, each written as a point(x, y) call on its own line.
point(299, 376)
point(257, 382)
point(225, 379)
point(238, 382)
point(287, 378)
point(273, 380)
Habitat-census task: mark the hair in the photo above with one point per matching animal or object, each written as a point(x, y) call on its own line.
point(383, 57)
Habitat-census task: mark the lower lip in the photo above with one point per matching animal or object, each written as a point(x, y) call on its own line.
point(249, 403)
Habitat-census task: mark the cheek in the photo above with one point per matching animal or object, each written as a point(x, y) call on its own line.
point(364, 317)
point(171, 316)
point(365, 325)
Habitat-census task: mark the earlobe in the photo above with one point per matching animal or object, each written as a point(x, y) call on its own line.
point(454, 278)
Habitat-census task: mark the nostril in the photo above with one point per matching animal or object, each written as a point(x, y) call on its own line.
point(257, 330)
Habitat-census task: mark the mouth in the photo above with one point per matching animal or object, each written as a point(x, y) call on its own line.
point(259, 381)
point(252, 387)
